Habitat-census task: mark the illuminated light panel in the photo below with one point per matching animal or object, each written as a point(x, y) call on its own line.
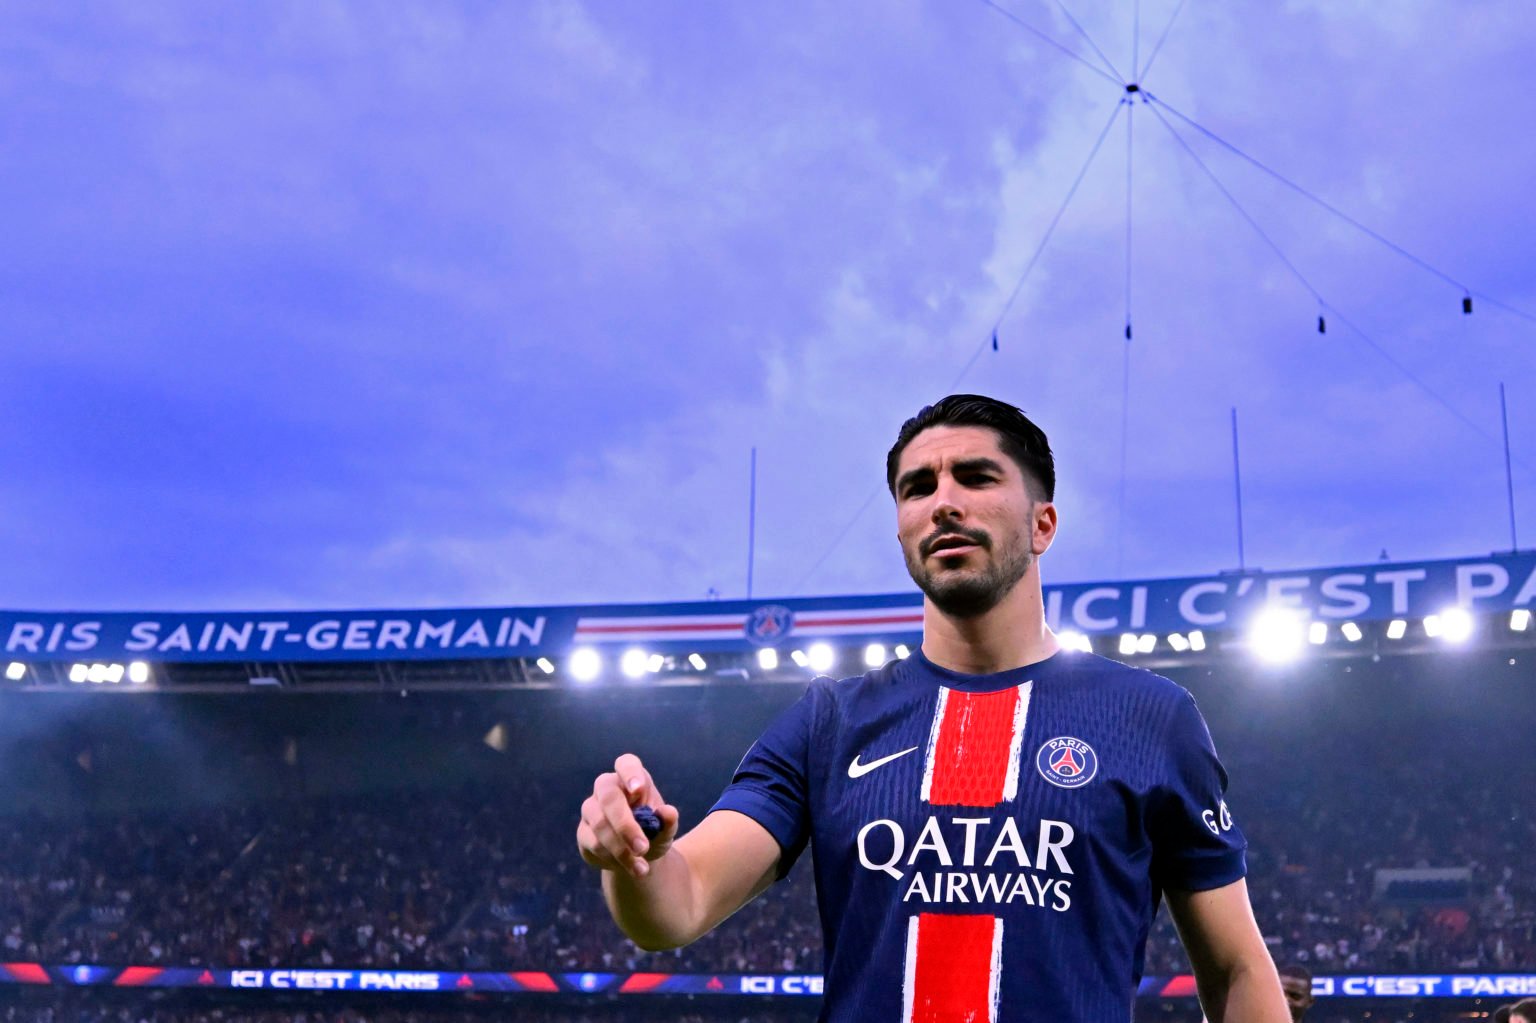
point(798, 656)
point(697, 661)
point(78, 672)
point(1397, 628)
point(1351, 632)
point(1520, 619)
point(633, 663)
point(1317, 633)
point(1456, 624)
point(655, 663)
point(1127, 643)
point(585, 664)
point(1146, 644)
point(1432, 626)
point(546, 665)
point(1197, 641)
point(114, 673)
point(902, 653)
point(874, 655)
point(1178, 642)
point(138, 672)
point(1277, 635)
point(768, 658)
point(16, 671)
point(820, 657)
point(1071, 640)
point(96, 673)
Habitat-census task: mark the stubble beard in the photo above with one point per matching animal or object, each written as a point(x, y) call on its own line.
point(961, 593)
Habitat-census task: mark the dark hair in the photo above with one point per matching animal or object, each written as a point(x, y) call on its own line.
point(1501, 1014)
point(1525, 1007)
point(1020, 439)
point(1296, 970)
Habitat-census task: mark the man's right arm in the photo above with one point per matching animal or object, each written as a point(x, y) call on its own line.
point(668, 891)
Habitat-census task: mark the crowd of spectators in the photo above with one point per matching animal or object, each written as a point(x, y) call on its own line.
point(484, 876)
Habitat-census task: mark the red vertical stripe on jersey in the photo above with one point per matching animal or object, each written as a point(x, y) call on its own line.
point(973, 746)
point(952, 969)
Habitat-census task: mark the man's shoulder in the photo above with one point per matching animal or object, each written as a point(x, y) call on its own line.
point(849, 688)
point(1117, 676)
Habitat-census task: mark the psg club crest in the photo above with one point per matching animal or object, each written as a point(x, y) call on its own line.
point(1067, 762)
point(769, 624)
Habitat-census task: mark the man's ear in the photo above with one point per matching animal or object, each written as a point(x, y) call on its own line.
point(1042, 526)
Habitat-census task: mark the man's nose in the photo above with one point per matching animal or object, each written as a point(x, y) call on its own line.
point(947, 504)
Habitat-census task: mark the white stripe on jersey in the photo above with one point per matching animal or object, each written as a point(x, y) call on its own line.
point(1020, 719)
point(933, 743)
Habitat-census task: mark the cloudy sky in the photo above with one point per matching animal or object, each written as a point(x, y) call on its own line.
point(331, 304)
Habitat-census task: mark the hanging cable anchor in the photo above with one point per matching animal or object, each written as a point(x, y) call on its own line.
point(1132, 87)
point(1322, 324)
point(1466, 304)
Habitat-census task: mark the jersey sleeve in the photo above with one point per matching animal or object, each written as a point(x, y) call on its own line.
point(771, 785)
point(1196, 845)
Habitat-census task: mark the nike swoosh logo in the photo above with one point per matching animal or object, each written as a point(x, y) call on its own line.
point(858, 770)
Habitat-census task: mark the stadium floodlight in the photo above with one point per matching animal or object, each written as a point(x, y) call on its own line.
point(768, 658)
point(78, 672)
point(1277, 634)
point(16, 671)
point(1397, 628)
point(1074, 641)
point(697, 661)
point(1351, 632)
point(1317, 633)
point(902, 653)
point(633, 663)
point(138, 672)
point(114, 673)
point(1127, 643)
point(1520, 619)
point(820, 656)
point(874, 655)
point(1146, 644)
point(96, 673)
point(1197, 640)
point(585, 664)
point(1178, 642)
point(798, 656)
point(1455, 624)
point(546, 665)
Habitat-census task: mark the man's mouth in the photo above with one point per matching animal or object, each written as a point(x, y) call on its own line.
point(951, 545)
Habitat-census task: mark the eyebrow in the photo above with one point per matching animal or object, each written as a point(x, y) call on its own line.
point(983, 464)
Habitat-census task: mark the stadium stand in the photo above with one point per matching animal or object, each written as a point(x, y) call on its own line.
point(382, 832)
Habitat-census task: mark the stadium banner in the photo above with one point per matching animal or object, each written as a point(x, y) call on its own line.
point(1452, 985)
point(1375, 592)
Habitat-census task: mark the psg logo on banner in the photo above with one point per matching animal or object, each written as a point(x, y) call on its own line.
point(769, 624)
point(1067, 762)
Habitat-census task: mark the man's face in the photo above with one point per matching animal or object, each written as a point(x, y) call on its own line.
point(1298, 995)
point(968, 527)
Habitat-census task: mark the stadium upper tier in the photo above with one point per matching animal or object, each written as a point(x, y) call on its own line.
point(1276, 616)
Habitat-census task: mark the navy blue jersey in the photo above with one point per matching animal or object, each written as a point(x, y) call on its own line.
point(991, 847)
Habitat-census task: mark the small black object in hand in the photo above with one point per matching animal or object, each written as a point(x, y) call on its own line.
point(649, 822)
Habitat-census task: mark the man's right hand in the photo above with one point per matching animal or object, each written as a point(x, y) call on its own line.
point(608, 835)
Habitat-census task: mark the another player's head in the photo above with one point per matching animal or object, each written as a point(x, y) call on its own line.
point(1501, 1014)
point(1297, 984)
point(1523, 1011)
point(973, 480)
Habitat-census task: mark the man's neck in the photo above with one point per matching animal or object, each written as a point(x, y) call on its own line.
point(1010, 635)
